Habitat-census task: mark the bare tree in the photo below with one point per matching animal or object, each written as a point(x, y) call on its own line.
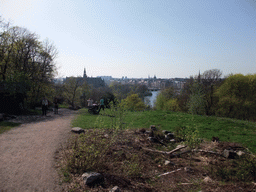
point(210, 80)
point(71, 90)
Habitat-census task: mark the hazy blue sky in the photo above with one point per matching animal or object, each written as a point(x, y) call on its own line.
point(137, 38)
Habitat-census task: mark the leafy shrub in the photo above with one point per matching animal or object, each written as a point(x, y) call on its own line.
point(88, 152)
point(237, 97)
point(197, 100)
point(172, 105)
point(160, 101)
point(132, 167)
point(133, 103)
point(241, 169)
point(166, 100)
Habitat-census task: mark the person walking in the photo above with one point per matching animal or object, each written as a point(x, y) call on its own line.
point(90, 101)
point(56, 106)
point(102, 104)
point(44, 106)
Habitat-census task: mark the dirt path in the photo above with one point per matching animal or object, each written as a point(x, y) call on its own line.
point(27, 153)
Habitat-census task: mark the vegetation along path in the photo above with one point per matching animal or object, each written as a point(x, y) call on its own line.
point(27, 153)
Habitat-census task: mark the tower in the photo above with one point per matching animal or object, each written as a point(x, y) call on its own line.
point(199, 77)
point(85, 76)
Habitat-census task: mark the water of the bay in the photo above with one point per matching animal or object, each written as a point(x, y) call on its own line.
point(151, 99)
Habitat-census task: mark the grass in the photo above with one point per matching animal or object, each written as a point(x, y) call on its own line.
point(225, 129)
point(64, 105)
point(5, 126)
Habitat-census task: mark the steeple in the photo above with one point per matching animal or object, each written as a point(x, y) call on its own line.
point(85, 76)
point(199, 77)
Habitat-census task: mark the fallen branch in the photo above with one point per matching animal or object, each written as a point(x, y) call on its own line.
point(170, 172)
point(196, 150)
point(178, 154)
point(164, 152)
point(211, 152)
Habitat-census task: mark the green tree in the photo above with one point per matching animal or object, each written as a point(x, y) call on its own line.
point(210, 80)
point(166, 100)
point(236, 97)
point(73, 90)
point(172, 105)
point(133, 103)
point(183, 97)
point(196, 104)
point(120, 91)
point(26, 62)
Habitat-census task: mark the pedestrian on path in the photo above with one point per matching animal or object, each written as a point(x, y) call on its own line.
point(90, 101)
point(56, 106)
point(44, 106)
point(102, 104)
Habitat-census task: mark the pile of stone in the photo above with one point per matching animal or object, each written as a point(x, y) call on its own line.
point(92, 178)
point(168, 136)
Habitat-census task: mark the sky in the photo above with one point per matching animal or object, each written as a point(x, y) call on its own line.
point(141, 38)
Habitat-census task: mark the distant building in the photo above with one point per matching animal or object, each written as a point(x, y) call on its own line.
point(95, 82)
point(107, 79)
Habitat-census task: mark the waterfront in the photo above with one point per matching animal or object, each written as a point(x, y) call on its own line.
point(151, 99)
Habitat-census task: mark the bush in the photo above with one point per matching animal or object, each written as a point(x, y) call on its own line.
point(237, 97)
point(241, 169)
point(197, 100)
point(160, 101)
point(172, 105)
point(166, 101)
point(133, 103)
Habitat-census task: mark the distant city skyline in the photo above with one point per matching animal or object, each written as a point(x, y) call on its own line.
point(140, 38)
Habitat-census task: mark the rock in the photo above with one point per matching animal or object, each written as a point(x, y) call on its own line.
point(77, 130)
point(168, 163)
point(151, 134)
point(155, 140)
point(115, 189)
point(170, 135)
point(240, 153)
point(173, 140)
point(166, 132)
point(167, 137)
point(229, 154)
point(215, 139)
point(92, 178)
point(142, 130)
point(153, 127)
point(207, 179)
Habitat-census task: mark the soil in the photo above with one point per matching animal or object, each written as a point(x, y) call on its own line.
point(134, 163)
point(27, 152)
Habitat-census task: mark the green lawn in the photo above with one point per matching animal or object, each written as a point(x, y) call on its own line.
point(63, 105)
point(226, 129)
point(5, 126)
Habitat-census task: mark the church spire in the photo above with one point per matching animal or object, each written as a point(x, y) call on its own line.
point(199, 77)
point(85, 76)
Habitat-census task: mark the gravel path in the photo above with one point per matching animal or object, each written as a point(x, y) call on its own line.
point(27, 153)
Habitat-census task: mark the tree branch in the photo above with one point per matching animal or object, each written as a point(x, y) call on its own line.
point(164, 152)
point(167, 173)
